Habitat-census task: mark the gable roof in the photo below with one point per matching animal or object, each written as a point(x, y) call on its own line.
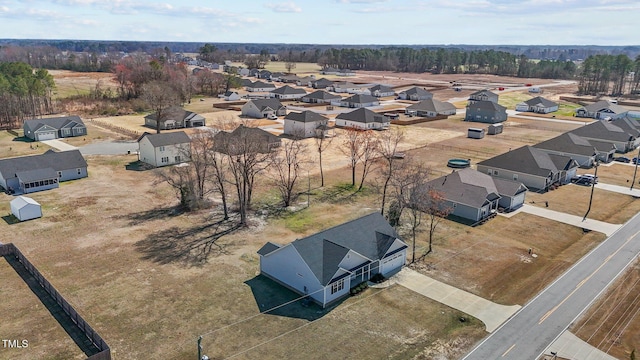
point(259, 85)
point(324, 81)
point(528, 160)
point(485, 92)
point(370, 236)
point(224, 141)
point(417, 91)
point(166, 138)
point(288, 90)
point(262, 104)
point(58, 161)
point(487, 105)
point(605, 130)
point(268, 248)
point(540, 101)
point(344, 84)
point(466, 186)
point(432, 105)
point(569, 143)
point(603, 104)
point(22, 201)
point(361, 99)
point(175, 113)
point(305, 116)
point(322, 95)
point(363, 115)
point(56, 122)
point(629, 124)
point(381, 88)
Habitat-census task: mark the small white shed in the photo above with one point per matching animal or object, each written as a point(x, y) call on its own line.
point(25, 208)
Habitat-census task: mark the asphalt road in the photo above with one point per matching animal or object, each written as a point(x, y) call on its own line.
point(531, 330)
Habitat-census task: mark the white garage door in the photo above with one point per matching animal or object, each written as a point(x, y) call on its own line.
point(392, 262)
point(50, 135)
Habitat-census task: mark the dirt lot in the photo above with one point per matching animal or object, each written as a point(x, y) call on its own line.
point(612, 323)
point(70, 83)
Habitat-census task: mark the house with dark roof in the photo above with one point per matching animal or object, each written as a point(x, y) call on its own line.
point(357, 101)
point(533, 167)
point(320, 97)
point(485, 112)
point(483, 95)
point(245, 140)
point(230, 96)
point(344, 87)
point(584, 152)
point(621, 133)
point(326, 265)
point(261, 108)
point(602, 110)
point(306, 124)
point(475, 196)
point(537, 105)
point(415, 94)
point(54, 128)
point(175, 117)
point(322, 83)
point(431, 108)
point(381, 91)
point(287, 93)
point(329, 71)
point(27, 174)
point(260, 86)
point(363, 119)
point(346, 72)
point(168, 148)
point(264, 74)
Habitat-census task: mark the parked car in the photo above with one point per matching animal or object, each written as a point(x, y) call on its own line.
point(622, 159)
point(634, 160)
point(591, 177)
point(583, 181)
point(272, 117)
point(586, 179)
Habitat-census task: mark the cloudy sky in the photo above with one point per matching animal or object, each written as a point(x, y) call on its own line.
point(535, 22)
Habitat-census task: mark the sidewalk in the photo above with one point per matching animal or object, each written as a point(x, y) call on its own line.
point(492, 314)
point(621, 189)
point(571, 347)
point(590, 224)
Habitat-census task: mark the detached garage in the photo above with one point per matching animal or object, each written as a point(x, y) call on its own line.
point(25, 208)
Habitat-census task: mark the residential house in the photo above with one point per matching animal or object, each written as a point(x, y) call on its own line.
point(346, 72)
point(245, 139)
point(306, 124)
point(381, 91)
point(254, 72)
point(363, 119)
point(306, 81)
point(326, 265)
point(243, 72)
point(533, 167)
point(357, 101)
point(54, 128)
point(276, 76)
point(583, 151)
point(344, 87)
point(602, 110)
point(431, 108)
point(290, 79)
point(329, 71)
point(260, 86)
point(175, 117)
point(261, 108)
point(245, 82)
point(537, 105)
point(415, 94)
point(168, 148)
point(264, 74)
point(475, 196)
point(320, 97)
point(483, 95)
point(622, 133)
point(322, 83)
point(230, 96)
point(287, 93)
point(485, 112)
point(27, 174)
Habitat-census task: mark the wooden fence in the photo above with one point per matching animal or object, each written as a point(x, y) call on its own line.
point(119, 129)
point(589, 100)
point(418, 120)
point(98, 342)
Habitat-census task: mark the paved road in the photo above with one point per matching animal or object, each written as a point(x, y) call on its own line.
point(541, 321)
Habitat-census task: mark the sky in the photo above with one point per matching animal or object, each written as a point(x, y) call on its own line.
point(385, 22)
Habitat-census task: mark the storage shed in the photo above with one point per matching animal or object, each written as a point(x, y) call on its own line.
point(495, 129)
point(25, 208)
point(475, 133)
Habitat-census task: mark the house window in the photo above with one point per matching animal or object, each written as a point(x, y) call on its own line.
point(489, 171)
point(337, 286)
point(165, 159)
point(79, 171)
point(161, 148)
point(495, 172)
point(26, 186)
point(59, 174)
point(515, 176)
point(177, 158)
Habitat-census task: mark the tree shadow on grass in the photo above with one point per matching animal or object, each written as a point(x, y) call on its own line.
point(192, 246)
point(284, 302)
point(150, 215)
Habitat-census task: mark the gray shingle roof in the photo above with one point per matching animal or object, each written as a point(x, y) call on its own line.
point(540, 101)
point(288, 90)
point(36, 174)
point(370, 236)
point(417, 91)
point(243, 137)
point(56, 123)
point(322, 95)
point(268, 248)
point(260, 85)
point(58, 161)
point(603, 104)
point(605, 131)
point(568, 143)
point(363, 115)
point(381, 88)
point(487, 105)
point(262, 104)
point(480, 92)
point(305, 116)
point(466, 186)
point(528, 160)
point(166, 138)
point(432, 105)
point(175, 113)
point(361, 99)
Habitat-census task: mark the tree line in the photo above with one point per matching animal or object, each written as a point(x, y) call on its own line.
point(24, 93)
point(610, 75)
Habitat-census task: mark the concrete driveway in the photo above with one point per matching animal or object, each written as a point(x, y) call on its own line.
point(110, 148)
point(490, 313)
point(59, 145)
point(571, 347)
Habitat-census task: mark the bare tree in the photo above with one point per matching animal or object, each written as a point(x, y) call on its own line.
point(219, 178)
point(289, 65)
point(286, 165)
point(352, 147)
point(159, 96)
point(200, 155)
point(322, 144)
point(369, 150)
point(387, 149)
point(182, 180)
point(434, 205)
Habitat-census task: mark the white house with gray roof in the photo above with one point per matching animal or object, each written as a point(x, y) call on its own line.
point(261, 108)
point(54, 128)
point(260, 86)
point(537, 105)
point(602, 110)
point(27, 174)
point(415, 94)
point(326, 265)
point(381, 91)
point(357, 101)
point(363, 119)
point(168, 148)
point(305, 124)
point(584, 152)
point(287, 93)
point(431, 108)
point(175, 117)
point(320, 97)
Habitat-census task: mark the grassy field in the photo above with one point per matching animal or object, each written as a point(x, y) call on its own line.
point(512, 98)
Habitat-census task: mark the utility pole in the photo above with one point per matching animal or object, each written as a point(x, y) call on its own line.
point(636, 169)
point(593, 185)
point(308, 189)
point(200, 347)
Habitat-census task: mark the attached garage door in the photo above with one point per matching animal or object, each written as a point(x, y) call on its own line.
point(49, 135)
point(392, 262)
